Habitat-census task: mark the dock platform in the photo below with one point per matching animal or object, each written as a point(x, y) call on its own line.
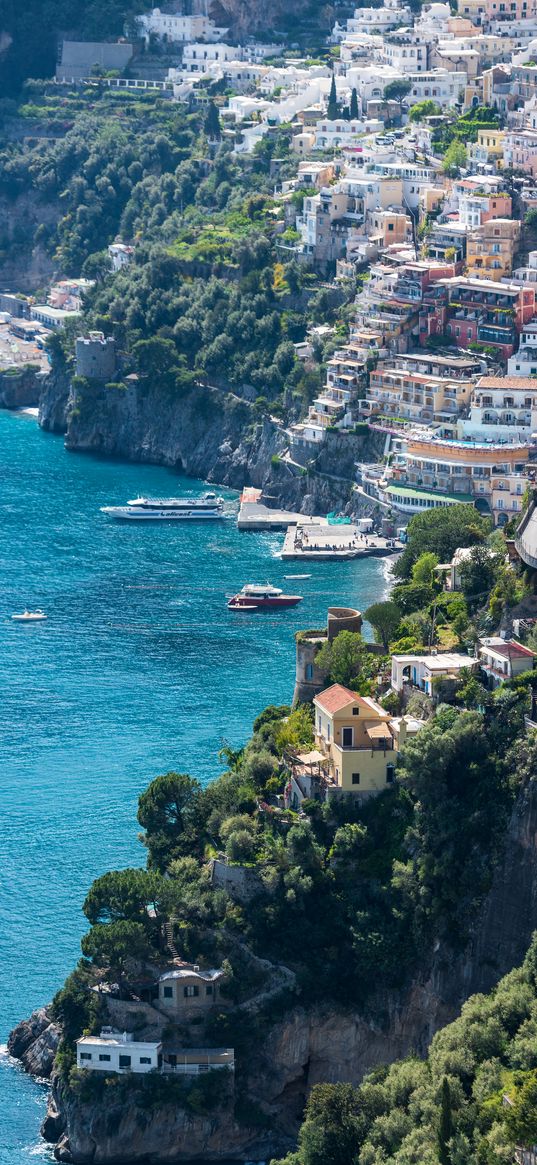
point(322, 542)
point(254, 515)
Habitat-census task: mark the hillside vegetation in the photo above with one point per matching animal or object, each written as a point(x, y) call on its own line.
point(469, 1103)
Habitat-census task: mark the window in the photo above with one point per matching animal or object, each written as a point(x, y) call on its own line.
point(309, 671)
point(168, 993)
point(209, 989)
point(356, 711)
point(104, 1056)
point(124, 1061)
point(85, 1056)
point(356, 778)
point(390, 774)
point(347, 735)
point(190, 992)
point(145, 1059)
point(328, 731)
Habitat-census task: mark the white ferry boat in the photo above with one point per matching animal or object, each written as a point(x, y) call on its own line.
point(168, 509)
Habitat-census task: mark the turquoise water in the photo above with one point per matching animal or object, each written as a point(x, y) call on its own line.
point(139, 669)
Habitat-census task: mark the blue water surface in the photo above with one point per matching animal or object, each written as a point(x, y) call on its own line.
point(139, 669)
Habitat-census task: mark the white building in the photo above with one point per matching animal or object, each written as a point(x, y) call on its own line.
point(419, 671)
point(439, 85)
point(168, 26)
point(120, 255)
point(524, 362)
point(406, 51)
point(368, 20)
point(117, 1052)
point(502, 408)
point(504, 659)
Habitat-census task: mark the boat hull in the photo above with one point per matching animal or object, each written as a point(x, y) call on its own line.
point(244, 604)
point(124, 514)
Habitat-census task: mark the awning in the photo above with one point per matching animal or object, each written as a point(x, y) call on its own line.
point(310, 758)
point(379, 732)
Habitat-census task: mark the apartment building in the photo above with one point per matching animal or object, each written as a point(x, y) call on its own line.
point(502, 408)
point(491, 247)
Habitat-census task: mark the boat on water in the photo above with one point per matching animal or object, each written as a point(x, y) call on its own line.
point(256, 596)
point(290, 576)
point(209, 505)
point(30, 617)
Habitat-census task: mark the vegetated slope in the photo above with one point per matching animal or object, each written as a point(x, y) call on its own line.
point(29, 33)
point(471, 1102)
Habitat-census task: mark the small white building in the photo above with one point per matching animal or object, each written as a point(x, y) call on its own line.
point(121, 255)
point(503, 659)
point(114, 1051)
point(419, 671)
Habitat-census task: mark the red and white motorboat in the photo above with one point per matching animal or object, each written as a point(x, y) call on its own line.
point(255, 596)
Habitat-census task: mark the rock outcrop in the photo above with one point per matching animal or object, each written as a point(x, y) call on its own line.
point(21, 387)
point(34, 1042)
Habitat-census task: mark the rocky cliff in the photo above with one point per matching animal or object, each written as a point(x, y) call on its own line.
point(207, 433)
point(250, 16)
point(306, 1045)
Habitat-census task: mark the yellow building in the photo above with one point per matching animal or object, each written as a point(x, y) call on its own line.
point(491, 247)
point(358, 739)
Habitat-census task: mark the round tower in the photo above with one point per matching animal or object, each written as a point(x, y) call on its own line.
point(309, 677)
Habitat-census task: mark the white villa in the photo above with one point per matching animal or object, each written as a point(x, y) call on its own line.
point(419, 671)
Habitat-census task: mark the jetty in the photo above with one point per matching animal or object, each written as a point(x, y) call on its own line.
point(255, 515)
point(316, 541)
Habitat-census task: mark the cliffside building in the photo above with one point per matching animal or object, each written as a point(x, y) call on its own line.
point(96, 356)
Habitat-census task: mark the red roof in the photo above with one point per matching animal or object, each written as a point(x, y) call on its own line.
point(335, 698)
point(511, 649)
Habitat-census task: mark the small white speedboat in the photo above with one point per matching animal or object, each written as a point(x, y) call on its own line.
point(30, 617)
point(297, 576)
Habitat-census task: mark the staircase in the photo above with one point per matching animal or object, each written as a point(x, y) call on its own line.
point(168, 931)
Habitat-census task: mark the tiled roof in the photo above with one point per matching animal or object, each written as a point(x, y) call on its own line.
point(335, 698)
point(522, 382)
point(510, 649)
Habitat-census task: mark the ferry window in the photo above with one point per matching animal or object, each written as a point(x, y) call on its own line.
point(356, 778)
point(105, 1057)
point(168, 992)
point(124, 1061)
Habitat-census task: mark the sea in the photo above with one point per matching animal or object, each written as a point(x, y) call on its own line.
point(139, 669)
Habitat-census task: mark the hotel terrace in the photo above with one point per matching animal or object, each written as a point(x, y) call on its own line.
point(493, 477)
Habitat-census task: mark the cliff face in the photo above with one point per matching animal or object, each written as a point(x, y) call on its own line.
point(20, 387)
point(208, 433)
point(250, 16)
point(308, 1046)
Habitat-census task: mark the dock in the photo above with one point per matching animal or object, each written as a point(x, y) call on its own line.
point(254, 515)
point(323, 542)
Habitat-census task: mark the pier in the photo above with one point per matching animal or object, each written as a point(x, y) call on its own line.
point(254, 515)
point(316, 541)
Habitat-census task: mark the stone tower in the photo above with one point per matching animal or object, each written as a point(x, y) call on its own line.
point(96, 356)
point(310, 678)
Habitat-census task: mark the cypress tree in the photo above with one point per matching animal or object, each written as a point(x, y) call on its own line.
point(331, 112)
point(212, 122)
point(445, 1130)
point(354, 105)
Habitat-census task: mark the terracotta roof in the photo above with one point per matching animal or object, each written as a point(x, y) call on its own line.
point(510, 649)
point(523, 382)
point(335, 698)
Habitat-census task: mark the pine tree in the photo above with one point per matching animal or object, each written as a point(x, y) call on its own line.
point(354, 105)
point(212, 122)
point(331, 112)
point(445, 1130)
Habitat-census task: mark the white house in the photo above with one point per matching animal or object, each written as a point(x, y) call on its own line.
point(117, 1052)
point(120, 255)
point(419, 671)
point(504, 659)
point(176, 29)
